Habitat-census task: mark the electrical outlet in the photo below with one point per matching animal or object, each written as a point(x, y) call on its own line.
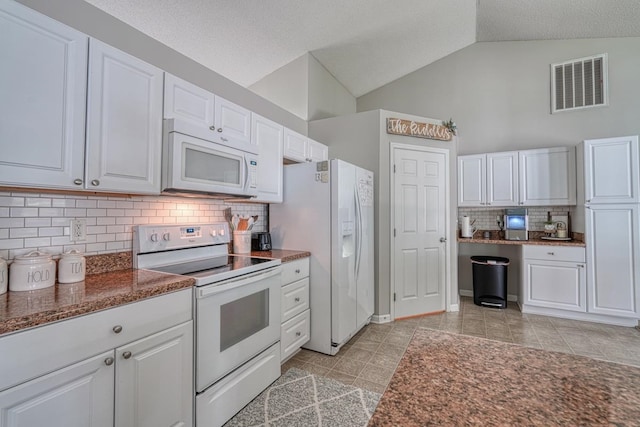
point(78, 230)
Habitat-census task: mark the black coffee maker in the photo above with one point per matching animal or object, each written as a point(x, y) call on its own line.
point(261, 241)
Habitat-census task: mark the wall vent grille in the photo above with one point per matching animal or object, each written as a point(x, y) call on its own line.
point(579, 83)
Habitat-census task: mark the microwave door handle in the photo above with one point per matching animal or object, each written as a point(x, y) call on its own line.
point(246, 174)
point(207, 291)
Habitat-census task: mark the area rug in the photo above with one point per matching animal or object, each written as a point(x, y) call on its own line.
point(299, 398)
point(451, 379)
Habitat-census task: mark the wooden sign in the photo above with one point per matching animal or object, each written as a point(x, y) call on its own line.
point(420, 130)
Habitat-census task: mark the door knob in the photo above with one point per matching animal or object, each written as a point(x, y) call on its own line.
point(443, 239)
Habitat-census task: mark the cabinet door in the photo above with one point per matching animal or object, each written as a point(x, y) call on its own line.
point(79, 395)
point(612, 170)
point(502, 179)
point(43, 80)
point(547, 177)
point(316, 151)
point(232, 121)
point(186, 101)
point(124, 122)
point(555, 284)
point(268, 136)
point(154, 380)
point(613, 259)
point(295, 146)
point(472, 180)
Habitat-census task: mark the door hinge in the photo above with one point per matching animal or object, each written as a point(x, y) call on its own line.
point(394, 232)
point(394, 168)
point(394, 297)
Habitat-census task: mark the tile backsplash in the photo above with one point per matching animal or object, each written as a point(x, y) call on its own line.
point(486, 218)
point(30, 221)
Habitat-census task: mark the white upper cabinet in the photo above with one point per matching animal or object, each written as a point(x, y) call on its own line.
point(232, 121)
point(299, 148)
point(124, 122)
point(502, 179)
point(612, 170)
point(268, 136)
point(548, 177)
point(43, 74)
point(317, 152)
point(488, 179)
point(472, 180)
point(186, 101)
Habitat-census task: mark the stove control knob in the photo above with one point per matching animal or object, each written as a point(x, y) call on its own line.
point(154, 237)
point(214, 233)
point(222, 231)
point(166, 237)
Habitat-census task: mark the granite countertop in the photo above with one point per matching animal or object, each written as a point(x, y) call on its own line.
point(110, 281)
point(535, 238)
point(284, 255)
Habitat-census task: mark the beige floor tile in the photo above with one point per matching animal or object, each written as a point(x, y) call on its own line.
point(358, 354)
point(391, 349)
point(371, 346)
point(349, 366)
point(368, 385)
point(399, 340)
point(323, 360)
point(340, 376)
point(315, 369)
point(389, 361)
point(376, 374)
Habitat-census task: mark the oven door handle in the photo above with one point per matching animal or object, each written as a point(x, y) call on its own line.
point(207, 291)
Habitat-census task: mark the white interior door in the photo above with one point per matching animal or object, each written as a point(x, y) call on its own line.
point(419, 221)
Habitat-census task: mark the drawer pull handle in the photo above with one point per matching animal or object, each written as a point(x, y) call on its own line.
point(126, 354)
point(297, 271)
point(550, 253)
point(117, 329)
point(298, 333)
point(297, 299)
point(108, 361)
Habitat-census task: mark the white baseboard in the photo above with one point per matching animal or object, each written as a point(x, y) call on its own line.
point(468, 293)
point(381, 318)
point(454, 307)
point(577, 315)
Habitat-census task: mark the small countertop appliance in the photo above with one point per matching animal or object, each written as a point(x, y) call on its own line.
point(516, 223)
point(261, 241)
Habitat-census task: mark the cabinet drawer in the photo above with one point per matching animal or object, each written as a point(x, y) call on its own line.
point(294, 333)
point(37, 351)
point(295, 270)
point(553, 253)
point(295, 298)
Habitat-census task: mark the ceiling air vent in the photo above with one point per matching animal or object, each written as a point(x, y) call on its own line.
point(579, 83)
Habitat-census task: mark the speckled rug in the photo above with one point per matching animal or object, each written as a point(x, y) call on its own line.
point(455, 380)
point(299, 398)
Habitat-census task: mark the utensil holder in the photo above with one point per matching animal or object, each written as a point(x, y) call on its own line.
point(242, 242)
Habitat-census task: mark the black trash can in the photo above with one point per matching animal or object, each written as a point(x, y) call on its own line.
point(490, 281)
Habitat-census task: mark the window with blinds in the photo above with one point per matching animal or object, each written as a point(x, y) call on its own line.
point(579, 83)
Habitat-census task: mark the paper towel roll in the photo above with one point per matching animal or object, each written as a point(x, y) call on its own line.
point(466, 230)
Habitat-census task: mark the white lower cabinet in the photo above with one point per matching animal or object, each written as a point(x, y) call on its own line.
point(554, 277)
point(295, 329)
point(79, 395)
point(127, 366)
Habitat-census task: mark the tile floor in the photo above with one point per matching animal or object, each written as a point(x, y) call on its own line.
point(370, 358)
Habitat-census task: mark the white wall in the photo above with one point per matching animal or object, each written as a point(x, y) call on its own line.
point(287, 87)
point(499, 94)
point(327, 96)
point(96, 23)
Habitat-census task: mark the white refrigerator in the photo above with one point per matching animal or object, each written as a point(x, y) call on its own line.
point(328, 211)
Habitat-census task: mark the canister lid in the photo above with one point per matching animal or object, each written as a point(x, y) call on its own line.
point(33, 257)
point(73, 253)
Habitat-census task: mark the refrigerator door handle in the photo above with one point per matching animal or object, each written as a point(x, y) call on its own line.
point(358, 234)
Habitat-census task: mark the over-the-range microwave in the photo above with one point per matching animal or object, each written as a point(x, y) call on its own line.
point(196, 160)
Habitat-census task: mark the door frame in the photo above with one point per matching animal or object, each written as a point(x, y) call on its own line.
point(447, 221)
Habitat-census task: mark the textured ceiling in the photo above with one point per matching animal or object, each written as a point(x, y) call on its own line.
point(363, 43)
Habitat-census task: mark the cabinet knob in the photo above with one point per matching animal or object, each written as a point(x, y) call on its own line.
point(77, 181)
point(224, 139)
point(297, 299)
point(550, 253)
point(212, 127)
point(108, 361)
point(581, 265)
point(126, 355)
point(298, 333)
point(489, 204)
point(95, 182)
point(297, 271)
point(521, 203)
point(219, 129)
point(117, 329)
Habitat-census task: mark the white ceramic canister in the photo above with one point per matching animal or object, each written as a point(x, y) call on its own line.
point(4, 276)
point(71, 267)
point(35, 270)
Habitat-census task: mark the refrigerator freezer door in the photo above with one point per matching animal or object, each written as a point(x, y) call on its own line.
point(365, 255)
point(344, 245)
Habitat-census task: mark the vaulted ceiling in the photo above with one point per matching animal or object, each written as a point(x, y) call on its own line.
point(364, 44)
